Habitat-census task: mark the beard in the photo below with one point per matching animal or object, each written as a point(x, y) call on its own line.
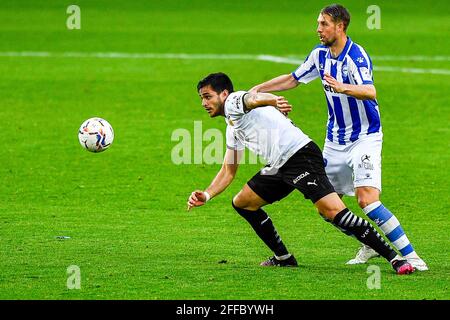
point(329, 42)
point(217, 110)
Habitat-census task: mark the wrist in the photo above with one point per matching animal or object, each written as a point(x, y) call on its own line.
point(207, 196)
point(345, 89)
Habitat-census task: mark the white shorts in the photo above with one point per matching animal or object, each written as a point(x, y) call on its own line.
point(354, 165)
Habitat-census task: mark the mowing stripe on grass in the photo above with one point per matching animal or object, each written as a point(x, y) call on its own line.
point(188, 56)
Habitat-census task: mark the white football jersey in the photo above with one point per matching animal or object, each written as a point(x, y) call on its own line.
point(263, 130)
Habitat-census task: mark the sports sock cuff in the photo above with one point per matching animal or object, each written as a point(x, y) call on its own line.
point(258, 215)
point(238, 209)
point(337, 219)
point(242, 211)
point(371, 207)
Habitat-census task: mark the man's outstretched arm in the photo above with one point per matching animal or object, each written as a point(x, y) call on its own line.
point(281, 83)
point(222, 180)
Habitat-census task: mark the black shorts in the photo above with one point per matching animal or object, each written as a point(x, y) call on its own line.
point(303, 171)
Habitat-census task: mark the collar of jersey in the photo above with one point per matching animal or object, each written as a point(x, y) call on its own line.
point(343, 53)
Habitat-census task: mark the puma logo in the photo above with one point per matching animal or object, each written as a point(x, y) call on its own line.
point(312, 183)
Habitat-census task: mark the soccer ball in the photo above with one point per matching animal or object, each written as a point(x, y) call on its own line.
point(96, 134)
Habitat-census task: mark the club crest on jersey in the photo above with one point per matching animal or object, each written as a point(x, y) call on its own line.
point(344, 71)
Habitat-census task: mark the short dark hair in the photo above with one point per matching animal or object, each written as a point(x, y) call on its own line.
point(338, 14)
point(218, 81)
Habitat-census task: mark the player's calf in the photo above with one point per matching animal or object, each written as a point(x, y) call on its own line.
point(366, 234)
point(264, 228)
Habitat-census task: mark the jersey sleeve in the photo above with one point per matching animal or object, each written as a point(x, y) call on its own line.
point(307, 71)
point(232, 142)
point(234, 105)
point(361, 68)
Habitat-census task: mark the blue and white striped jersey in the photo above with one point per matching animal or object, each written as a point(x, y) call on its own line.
point(348, 117)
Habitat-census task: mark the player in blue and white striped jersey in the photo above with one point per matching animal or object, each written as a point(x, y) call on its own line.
point(349, 118)
point(353, 142)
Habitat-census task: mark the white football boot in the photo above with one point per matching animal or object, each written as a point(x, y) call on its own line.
point(364, 254)
point(418, 263)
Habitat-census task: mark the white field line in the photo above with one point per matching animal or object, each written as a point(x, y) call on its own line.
point(412, 70)
point(297, 62)
point(189, 56)
point(411, 58)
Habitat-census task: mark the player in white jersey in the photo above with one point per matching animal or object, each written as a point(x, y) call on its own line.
point(294, 162)
point(353, 142)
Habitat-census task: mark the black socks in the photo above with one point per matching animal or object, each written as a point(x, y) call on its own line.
point(364, 232)
point(264, 228)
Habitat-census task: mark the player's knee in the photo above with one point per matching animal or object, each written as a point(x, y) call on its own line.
point(329, 206)
point(363, 199)
point(366, 199)
point(367, 196)
point(239, 202)
point(362, 202)
point(242, 202)
point(329, 213)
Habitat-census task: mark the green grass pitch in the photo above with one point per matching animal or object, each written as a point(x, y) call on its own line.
point(125, 209)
